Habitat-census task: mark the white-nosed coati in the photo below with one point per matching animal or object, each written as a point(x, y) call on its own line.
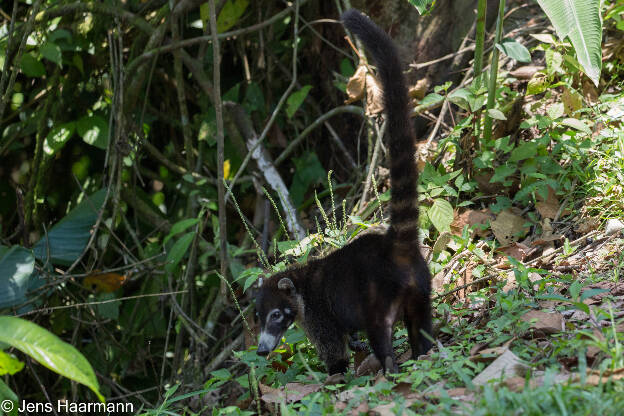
point(369, 283)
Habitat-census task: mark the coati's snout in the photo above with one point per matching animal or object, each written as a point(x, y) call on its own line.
point(276, 311)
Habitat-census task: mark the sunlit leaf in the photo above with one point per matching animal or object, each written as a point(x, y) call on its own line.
point(16, 275)
point(580, 21)
point(514, 50)
point(48, 350)
point(441, 214)
point(58, 136)
point(94, 130)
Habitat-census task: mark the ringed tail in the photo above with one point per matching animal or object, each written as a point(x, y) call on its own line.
point(403, 169)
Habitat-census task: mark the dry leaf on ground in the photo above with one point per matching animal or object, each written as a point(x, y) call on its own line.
point(586, 225)
point(544, 322)
point(508, 227)
point(292, 392)
point(507, 365)
point(525, 72)
point(472, 217)
point(549, 207)
point(516, 250)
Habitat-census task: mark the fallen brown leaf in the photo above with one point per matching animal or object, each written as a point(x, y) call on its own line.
point(472, 217)
point(549, 207)
point(572, 101)
point(544, 322)
point(508, 227)
point(506, 365)
point(525, 72)
point(516, 250)
point(292, 392)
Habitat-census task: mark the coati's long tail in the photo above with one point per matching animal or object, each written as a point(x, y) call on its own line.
point(403, 170)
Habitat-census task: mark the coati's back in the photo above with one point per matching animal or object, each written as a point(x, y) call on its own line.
point(376, 278)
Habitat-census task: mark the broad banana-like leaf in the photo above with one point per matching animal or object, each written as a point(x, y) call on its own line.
point(580, 21)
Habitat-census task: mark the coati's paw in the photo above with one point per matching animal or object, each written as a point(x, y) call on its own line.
point(334, 379)
point(390, 365)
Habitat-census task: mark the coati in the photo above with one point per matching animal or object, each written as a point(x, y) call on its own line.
point(369, 283)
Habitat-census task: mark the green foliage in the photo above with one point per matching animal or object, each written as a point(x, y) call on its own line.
point(16, 275)
point(421, 5)
point(580, 21)
point(295, 100)
point(66, 240)
point(47, 349)
point(514, 50)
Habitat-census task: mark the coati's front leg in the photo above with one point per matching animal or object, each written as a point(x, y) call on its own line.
point(331, 345)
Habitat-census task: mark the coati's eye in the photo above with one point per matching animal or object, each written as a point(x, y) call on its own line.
point(276, 315)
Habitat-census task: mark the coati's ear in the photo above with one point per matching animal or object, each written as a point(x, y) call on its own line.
point(286, 284)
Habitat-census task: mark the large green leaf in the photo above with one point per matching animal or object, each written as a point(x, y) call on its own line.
point(179, 249)
point(49, 350)
point(94, 130)
point(7, 394)
point(16, 275)
point(230, 14)
point(68, 238)
point(580, 21)
point(31, 66)
point(441, 214)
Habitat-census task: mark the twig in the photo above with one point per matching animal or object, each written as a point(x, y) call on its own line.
point(43, 389)
point(101, 302)
point(225, 353)
point(216, 82)
point(547, 257)
point(444, 58)
point(373, 164)
point(294, 143)
point(445, 107)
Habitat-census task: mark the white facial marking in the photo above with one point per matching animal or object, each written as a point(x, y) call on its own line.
point(260, 282)
point(267, 339)
point(279, 319)
point(287, 310)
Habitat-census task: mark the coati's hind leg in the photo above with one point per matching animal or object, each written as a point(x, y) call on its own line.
point(417, 318)
point(380, 337)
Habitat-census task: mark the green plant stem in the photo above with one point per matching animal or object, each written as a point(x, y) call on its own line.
point(487, 124)
point(479, 42)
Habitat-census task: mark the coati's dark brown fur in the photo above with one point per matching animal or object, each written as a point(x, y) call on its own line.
point(370, 282)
